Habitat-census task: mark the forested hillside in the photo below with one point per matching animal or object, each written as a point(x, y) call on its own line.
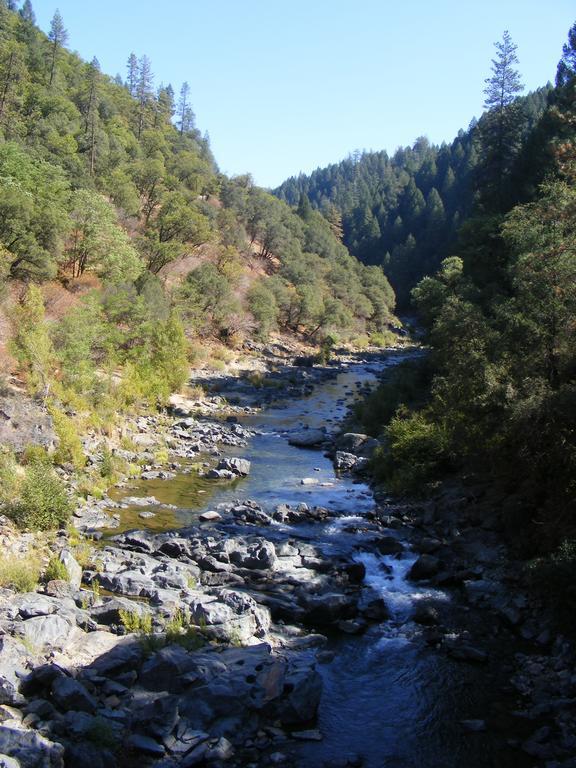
point(497, 398)
point(403, 211)
point(111, 200)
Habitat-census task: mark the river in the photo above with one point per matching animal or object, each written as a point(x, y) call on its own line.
point(389, 698)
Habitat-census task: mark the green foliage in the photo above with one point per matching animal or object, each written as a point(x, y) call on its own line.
point(207, 300)
point(69, 450)
point(135, 621)
point(98, 243)
point(56, 570)
point(31, 342)
point(406, 385)
point(403, 212)
point(43, 503)
point(10, 477)
point(33, 212)
point(417, 449)
point(263, 306)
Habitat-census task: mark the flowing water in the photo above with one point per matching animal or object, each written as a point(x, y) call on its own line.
point(388, 697)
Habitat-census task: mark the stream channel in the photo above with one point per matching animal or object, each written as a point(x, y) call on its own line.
point(388, 698)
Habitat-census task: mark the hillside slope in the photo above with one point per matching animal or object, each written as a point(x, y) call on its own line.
point(111, 184)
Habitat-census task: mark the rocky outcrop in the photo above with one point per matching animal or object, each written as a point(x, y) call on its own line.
point(24, 422)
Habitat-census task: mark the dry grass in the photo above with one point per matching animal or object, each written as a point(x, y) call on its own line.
point(20, 573)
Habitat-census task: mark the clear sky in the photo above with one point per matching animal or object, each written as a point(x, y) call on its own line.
point(284, 86)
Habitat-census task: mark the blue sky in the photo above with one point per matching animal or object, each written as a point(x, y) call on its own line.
point(284, 87)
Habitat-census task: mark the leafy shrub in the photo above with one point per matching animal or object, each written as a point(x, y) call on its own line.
point(417, 448)
point(10, 476)
point(107, 463)
point(383, 339)
point(43, 503)
point(69, 446)
point(133, 621)
point(56, 570)
point(19, 573)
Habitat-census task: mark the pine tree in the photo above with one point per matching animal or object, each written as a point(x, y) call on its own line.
point(132, 79)
point(500, 129)
point(143, 90)
point(12, 70)
point(27, 12)
point(185, 114)
point(91, 109)
point(58, 36)
point(566, 71)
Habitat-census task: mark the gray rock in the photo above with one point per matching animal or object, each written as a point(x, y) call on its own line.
point(68, 693)
point(46, 631)
point(328, 608)
point(307, 438)
point(240, 467)
point(24, 422)
point(259, 555)
point(30, 749)
point(165, 670)
point(424, 568)
point(425, 613)
point(466, 652)
point(376, 609)
point(145, 744)
point(8, 762)
point(88, 754)
point(473, 726)
point(210, 516)
point(72, 568)
point(358, 444)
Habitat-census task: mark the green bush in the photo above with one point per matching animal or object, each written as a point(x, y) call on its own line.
point(417, 450)
point(56, 570)
point(43, 503)
point(406, 384)
point(10, 477)
point(69, 449)
point(383, 339)
point(133, 621)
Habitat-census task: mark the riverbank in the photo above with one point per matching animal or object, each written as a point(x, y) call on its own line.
point(231, 639)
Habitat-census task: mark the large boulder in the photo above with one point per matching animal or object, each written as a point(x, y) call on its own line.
point(258, 555)
point(229, 615)
point(30, 749)
point(73, 568)
point(41, 632)
point(424, 568)
point(239, 467)
point(68, 693)
point(358, 444)
point(329, 608)
point(349, 462)
point(307, 438)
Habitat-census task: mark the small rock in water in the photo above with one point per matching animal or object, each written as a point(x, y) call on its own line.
point(311, 735)
point(210, 515)
point(309, 481)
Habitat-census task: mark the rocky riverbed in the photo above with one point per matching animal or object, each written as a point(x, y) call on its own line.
point(278, 613)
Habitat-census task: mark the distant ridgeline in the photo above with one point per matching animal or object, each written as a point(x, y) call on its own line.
point(403, 212)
